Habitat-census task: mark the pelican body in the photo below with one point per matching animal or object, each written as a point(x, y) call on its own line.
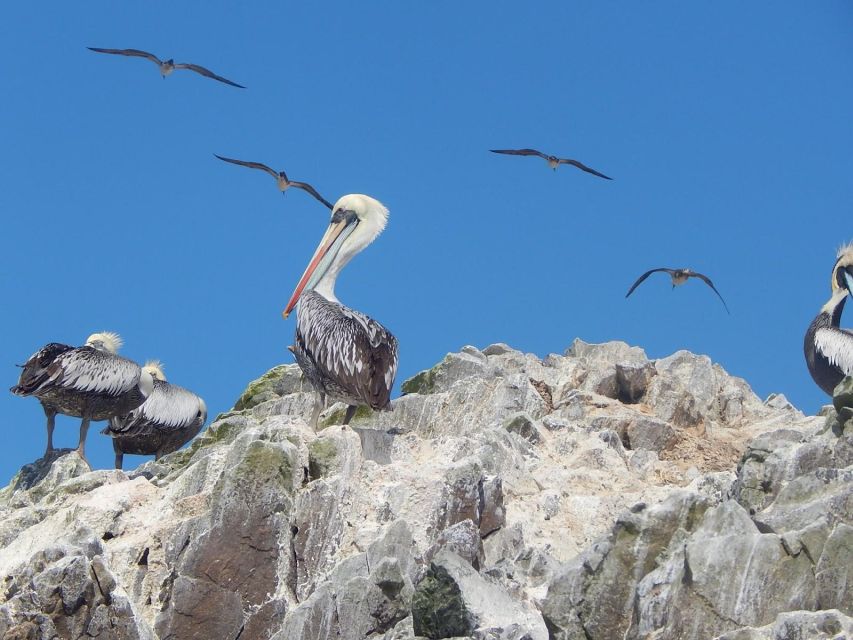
point(346, 355)
point(170, 417)
point(90, 382)
point(827, 347)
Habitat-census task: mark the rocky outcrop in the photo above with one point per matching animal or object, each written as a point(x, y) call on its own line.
point(594, 494)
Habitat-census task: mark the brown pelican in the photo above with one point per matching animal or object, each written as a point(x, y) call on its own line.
point(169, 418)
point(679, 277)
point(280, 177)
point(553, 161)
point(346, 355)
point(166, 66)
point(827, 347)
point(90, 382)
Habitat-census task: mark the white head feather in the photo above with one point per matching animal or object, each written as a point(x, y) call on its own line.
point(845, 253)
point(105, 341)
point(155, 368)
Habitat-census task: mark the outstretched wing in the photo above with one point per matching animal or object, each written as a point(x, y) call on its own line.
point(137, 53)
point(88, 370)
point(707, 281)
point(520, 152)
point(644, 276)
point(307, 187)
point(206, 73)
point(583, 167)
point(251, 165)
point(836, 345)
point(354, 351)
point(168, 408)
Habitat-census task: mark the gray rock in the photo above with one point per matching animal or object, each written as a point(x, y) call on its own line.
point(798, 625)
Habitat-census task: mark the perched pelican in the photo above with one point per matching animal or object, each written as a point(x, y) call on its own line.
point(90, 382)
point(167, 66)
point(828, 348)
point(679, 277)
point(169, 418)
point(280, 177)
point(553, 161)
point(346, 355)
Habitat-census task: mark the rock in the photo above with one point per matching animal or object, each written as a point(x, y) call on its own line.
point(798, 625)
point(605, 493)
point(454, 600)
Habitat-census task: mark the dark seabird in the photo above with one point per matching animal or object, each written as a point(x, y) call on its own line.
point(346, 355)
point(829, 348)
point(90, 382)
point(169, 418)
point(167, 66)
point(679, 277)
point(553, 161)
point(280, 177)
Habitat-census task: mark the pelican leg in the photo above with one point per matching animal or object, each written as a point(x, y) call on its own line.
point(350, 413)
point(81, 445)
point(119, 455)
point(51, 423)
point(319, 405)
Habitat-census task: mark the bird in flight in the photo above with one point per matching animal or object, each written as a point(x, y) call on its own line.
point(166, 66)
point(553, 161)
point(284, 183)
point(679, 277)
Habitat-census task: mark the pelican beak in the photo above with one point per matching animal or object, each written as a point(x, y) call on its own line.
point(343, 224)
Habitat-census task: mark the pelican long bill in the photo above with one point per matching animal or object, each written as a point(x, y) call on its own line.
point(343, 224)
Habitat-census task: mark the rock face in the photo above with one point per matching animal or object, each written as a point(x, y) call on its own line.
point(591, 495)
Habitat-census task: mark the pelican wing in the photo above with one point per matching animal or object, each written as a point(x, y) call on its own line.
point(137, 53)
point(251, 165)
point(88, 370)
point(206, 73)
point(168, 408)
point(307, 187)
point(707, 281)
point(583, 167)
point(520, 152)
point(35, 372)
point(836, 345)
point(644, 276)
point(348, 347)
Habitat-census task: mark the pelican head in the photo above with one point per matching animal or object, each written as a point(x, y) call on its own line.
point(842, 272)
point(356, 221)
point(155, 368)
point(105, 341)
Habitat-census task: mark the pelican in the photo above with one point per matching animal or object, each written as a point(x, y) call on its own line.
point(280, 177)
point(827, 347)
point(553, 161)
point(169, 418)
point(679, 277)
point(90, 382)
point(346, 355)
point(166, 66)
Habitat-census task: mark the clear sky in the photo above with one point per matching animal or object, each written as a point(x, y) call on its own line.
point(726, 127)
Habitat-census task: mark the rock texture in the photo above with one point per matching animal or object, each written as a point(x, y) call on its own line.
point(592, 495)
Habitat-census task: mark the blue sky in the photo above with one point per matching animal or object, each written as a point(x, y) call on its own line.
point(725, 126)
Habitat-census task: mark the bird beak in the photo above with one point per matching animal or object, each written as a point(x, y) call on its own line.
point(339, 230)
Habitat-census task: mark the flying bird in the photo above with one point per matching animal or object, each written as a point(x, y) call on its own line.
point(679, 277)
point(166, 66)
point(553, 161)
point(346, 355)
point(90, 382)
point(827, 347)
point(280, 177)
point(169, 418)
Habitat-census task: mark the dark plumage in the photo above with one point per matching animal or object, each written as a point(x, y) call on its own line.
point(553, 161)
point(283, 182)
point(166, 66)
point(90, 382)
point(169, 418)
point(679, 276)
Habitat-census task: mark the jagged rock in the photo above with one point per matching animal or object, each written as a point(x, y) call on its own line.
point(798, 625)
point(597, 487)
